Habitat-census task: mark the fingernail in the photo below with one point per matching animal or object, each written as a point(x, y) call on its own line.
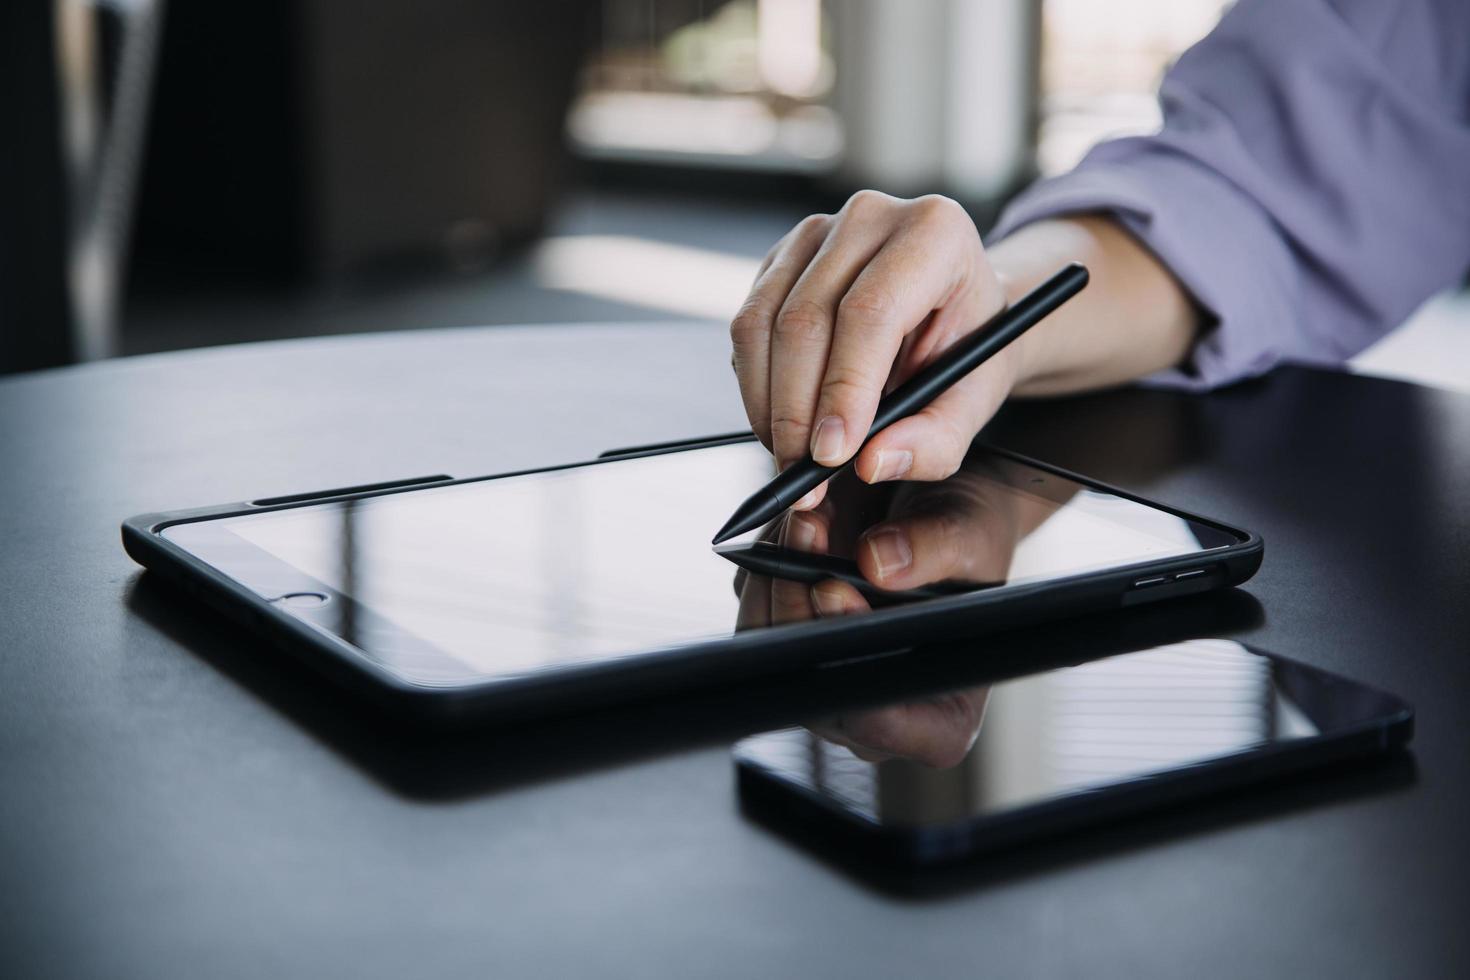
point(827, 599)
point(801, 533)
point(890, 550)
point(807, 502)
point(893, 464)
point(828, 441)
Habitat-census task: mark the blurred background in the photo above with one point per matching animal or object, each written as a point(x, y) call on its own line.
point(184, 173)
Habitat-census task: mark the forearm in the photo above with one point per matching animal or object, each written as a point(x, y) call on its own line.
point(1132, 319)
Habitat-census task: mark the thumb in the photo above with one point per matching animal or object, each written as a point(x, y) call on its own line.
point(931, 444)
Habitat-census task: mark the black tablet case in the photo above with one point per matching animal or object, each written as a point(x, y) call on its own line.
point(772, 649)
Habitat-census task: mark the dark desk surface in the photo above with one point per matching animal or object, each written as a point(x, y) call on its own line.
point(179, 802)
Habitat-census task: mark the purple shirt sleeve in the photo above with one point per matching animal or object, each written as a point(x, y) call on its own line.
point(1310, 185)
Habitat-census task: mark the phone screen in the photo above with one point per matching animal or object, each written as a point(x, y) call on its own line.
point(447, 585)
point(989, 753)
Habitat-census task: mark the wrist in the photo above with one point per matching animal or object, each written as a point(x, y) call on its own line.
point(1025, 357)
point(1024, 260)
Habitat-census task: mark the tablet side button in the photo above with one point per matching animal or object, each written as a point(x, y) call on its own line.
point(1151, 580)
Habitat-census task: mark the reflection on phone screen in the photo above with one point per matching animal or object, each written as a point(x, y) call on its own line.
point(985, 750)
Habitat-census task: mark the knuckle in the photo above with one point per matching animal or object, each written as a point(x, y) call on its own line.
point(949, 449)
point(993, 291)
point(868, 203)
point(846, 386)
point(813, 224)
point(938, 209)
point(945, 464)
point(867, 306)
point(760, 421)
point(802, 321)
point(788, 428)
point(940, 507)
point(880, 730)
point(750, 325)
point(949, 526)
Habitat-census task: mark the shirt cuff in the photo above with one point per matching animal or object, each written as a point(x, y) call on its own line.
point(1215, 240)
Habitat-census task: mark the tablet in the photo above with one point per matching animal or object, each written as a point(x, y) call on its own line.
point(500, 596)
point(966, 771)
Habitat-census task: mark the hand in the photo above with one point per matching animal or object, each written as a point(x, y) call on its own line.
point(847, 306)
point(961, 531)
point(767, 601)
point(938, 731)
point(964, 529)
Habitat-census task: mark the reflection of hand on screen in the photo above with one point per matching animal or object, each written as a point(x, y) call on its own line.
point(937, 731)
point(962, 531)
point(766, 601)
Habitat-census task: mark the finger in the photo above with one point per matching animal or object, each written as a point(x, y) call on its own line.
point(893, 297)
point(750, 330)
point(974, 306)
point(791, 602)
point(932, 443)
point(868, 755)
point(960, 535)
point(908, 554)
point(905, 364)
point(802, 335)
point(939, 732)
point(831, 731)
point(754, 610)
point(806, 532)
point(795, 601)
point(834, 598)
point(787, 601)
point(813, 497)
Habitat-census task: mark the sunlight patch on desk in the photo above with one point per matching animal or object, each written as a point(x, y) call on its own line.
point(1431, 348)
point(681, 279)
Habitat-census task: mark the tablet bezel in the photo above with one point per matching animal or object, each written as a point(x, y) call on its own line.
point(310, 637)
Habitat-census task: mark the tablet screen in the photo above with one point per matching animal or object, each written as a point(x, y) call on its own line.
point(446, 585)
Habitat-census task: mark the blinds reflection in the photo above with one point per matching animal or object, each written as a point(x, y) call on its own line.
point(1154, 710)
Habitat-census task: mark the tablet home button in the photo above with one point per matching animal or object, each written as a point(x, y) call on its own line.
point(302, 600)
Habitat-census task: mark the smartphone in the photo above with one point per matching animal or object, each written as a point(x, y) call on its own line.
point(936, 780)
point(504, 596)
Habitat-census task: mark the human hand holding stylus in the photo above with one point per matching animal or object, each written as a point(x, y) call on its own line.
point(933, 382)
point(847, 306)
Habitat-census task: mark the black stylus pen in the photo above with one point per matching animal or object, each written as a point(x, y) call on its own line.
point(774, 561)
point(799, 479)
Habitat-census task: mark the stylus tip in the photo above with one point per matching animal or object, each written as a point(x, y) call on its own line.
point(751, 514)
point(732, 527)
